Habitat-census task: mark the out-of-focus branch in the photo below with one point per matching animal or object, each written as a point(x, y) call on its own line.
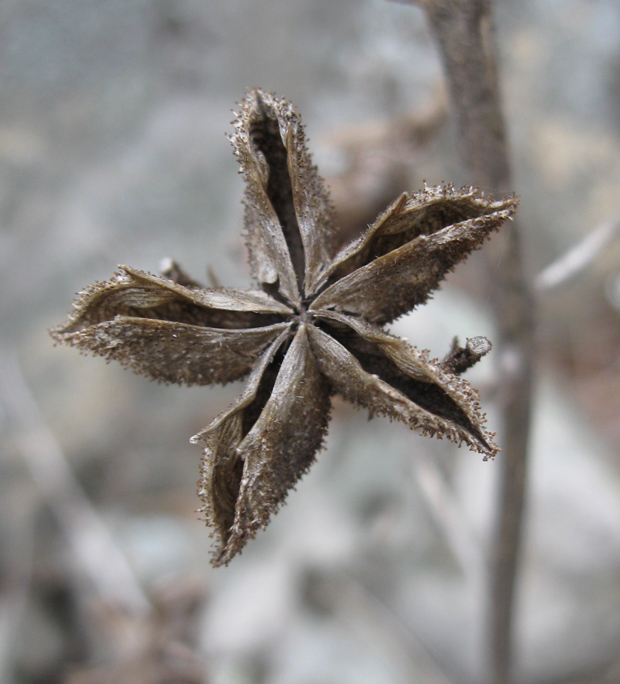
point(375, 622)
point(448, 515)
point(372, 163)
point(463, 30)
point(95, 553)
point(578, 257)
point(15, 591)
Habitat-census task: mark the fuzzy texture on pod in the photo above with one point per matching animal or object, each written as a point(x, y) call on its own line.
point(310, 328)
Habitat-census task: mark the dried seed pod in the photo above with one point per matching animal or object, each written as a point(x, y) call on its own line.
point(311, 328)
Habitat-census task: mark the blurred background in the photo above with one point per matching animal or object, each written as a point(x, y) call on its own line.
point(112, 151)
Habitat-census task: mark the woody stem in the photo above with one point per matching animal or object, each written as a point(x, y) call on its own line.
point(463, 30)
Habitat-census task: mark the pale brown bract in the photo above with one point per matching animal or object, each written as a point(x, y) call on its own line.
point(311, 328)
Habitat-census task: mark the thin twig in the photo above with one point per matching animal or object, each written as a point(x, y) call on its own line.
point(380, 625)
point(463, 30)
point(95, 553)
point(462, 542)
point(578, 257)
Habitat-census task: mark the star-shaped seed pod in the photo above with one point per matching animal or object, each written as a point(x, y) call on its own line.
point(310, 328)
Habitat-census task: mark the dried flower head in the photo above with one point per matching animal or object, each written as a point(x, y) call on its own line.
point(312, 327)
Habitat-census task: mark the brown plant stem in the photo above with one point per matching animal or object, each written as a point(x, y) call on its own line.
point(463, 30)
